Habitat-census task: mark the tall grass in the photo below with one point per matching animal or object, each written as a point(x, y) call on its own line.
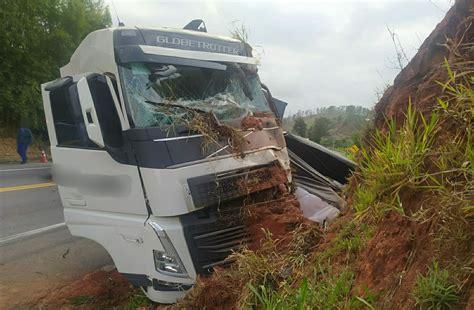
point(431, 158)
point(432, 155)
point(435, 290)
point(427, 154)
point(394, 160)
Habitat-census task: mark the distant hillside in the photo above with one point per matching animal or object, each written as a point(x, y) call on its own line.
point(340, 126)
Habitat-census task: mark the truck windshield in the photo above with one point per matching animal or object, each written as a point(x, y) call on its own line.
point(157, 92)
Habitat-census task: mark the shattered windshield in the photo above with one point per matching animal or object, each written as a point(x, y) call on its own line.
point(157, 92)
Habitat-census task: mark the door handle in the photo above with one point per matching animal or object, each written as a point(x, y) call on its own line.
point(134, 239)
point(76, 202)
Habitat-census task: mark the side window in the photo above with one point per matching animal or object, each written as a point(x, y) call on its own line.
point(106, 111)
point(68, 120)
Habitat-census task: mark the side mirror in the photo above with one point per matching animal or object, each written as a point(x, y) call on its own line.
point(89, 113)
point(278, 107)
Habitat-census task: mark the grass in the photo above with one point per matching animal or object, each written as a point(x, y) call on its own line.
point(432, 158)
point(81, 300)
point(436, 289)
point(137, 299)
point(431, 154)
point(394, 160)
point(307, 282)
point(323, 287)
point(426, 155)
point(205, 124)
point(348, 242)
point(8, 152)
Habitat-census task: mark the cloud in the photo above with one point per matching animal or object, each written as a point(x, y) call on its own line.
point(314, 53)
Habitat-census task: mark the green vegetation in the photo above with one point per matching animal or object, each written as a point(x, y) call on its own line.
point(393, 162)
point(336, 127)
point(319, 129)
point(435, 290)
point(288, 274)
point(327, 290)
point(137, 299)
point(37, 38)
point(430, 158)
point(81, 300)
point(410, 159)
point(300, 128)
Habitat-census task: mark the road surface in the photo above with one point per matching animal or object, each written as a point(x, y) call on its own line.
point(37, 252)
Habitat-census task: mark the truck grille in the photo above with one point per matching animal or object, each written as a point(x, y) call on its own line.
point(216, 229)
point(212, 189)
point(212, 235)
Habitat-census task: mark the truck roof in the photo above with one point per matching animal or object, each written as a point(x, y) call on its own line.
point(178, 30)
point(96, 53)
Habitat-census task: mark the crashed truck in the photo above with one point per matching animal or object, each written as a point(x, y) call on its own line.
point(132, 174)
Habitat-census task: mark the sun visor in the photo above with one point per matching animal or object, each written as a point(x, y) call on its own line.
point(134, 53)
point(198, 55)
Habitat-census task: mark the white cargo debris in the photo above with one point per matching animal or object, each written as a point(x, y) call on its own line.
point(314, 208)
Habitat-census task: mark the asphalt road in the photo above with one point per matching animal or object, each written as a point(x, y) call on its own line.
point(37, 252)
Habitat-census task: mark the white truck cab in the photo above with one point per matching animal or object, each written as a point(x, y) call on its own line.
point(133, 176)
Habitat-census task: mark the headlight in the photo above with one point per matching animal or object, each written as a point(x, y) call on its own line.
point(167, 262)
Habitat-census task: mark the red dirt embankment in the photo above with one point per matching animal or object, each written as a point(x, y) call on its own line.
point(415, 81)
point(402, 248)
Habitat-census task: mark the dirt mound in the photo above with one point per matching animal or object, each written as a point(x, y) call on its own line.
point(277, 228)
point(415, 81)
point(400, 250)
point(98, 289)
point(277, 217)
point(427, 229)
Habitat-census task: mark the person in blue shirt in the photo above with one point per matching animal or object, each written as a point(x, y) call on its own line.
point(24, 138)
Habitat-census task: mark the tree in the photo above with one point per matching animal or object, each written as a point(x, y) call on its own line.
point(319, 129)
point(37, 38)
point(300, 127)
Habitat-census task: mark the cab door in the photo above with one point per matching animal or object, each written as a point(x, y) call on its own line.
point(98, 182)
point(91, 165)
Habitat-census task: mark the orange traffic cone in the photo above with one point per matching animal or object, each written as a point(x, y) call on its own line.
point(43, 158)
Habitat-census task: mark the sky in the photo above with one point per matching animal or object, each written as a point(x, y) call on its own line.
point(312, 53)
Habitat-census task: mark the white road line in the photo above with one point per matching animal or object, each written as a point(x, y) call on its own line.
point(31, 232)
point(23, 169)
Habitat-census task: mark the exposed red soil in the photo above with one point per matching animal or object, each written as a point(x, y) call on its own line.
point(470, 301)
point(416, 80)
point(278, 217)
point(251, 122)
point(402, 248)
point(392, 259)
point(263, 179)
point(214, 292)
point(104, 288)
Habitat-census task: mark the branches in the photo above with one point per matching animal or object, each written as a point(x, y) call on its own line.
point(401, 56)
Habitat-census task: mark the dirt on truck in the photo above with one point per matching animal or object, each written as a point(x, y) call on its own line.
point(403, 238)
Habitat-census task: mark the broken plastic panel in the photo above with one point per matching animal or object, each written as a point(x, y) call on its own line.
point(318, 170)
